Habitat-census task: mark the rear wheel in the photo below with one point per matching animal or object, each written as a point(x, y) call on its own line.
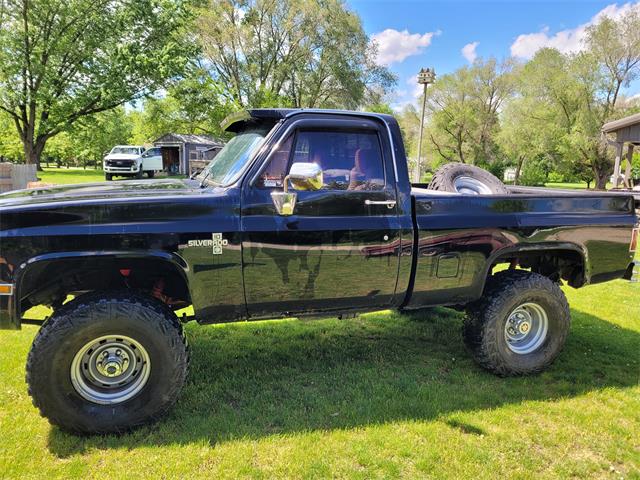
point(150, 173)
point(466, 179)
point(107, 363)
point(519, 326)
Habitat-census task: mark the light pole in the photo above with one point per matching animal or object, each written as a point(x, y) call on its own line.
point(425, 77)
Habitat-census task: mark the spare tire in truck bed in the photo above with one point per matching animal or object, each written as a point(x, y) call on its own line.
point(466, 179)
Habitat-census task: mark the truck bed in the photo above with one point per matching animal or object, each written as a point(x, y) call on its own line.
point(458, 238)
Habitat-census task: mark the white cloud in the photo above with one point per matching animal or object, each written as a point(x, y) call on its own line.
point(469, 51)
point(570, 40)
point(395, 46)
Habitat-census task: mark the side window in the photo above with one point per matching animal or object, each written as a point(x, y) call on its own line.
point(349, 160)
point(273, 175)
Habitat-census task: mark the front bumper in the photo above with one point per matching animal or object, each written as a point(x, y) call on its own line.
point(111, 168)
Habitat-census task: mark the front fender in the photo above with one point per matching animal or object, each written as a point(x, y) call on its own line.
point(47, 270)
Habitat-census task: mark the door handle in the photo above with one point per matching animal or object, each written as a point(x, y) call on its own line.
point(389, 203)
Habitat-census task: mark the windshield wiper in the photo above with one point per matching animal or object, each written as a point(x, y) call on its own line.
point(204, 179)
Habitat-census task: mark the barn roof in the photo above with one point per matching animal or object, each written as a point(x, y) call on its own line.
point(622, 123)
point(188, 138)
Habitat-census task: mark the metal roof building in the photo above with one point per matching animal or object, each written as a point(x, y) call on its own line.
point(625, 131)
point(183, 152)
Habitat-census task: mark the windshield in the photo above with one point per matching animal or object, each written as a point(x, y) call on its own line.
point(126, 150)
point(227, 165)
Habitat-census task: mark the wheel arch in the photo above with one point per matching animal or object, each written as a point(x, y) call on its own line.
point(49, 278)
point(567, 261)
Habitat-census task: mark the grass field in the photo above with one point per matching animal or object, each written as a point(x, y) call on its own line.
point(381, 396)
point(71, 175)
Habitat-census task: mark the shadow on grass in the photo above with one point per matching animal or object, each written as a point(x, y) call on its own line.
point(252, 380)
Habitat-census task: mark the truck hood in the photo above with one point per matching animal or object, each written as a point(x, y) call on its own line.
point(121, 156)
point(99, 192)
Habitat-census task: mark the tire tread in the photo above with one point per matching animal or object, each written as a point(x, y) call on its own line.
point(65, 320)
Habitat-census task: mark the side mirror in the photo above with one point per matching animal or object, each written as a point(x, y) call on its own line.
point(303, 176)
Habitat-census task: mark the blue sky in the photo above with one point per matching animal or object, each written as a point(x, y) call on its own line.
point(416, 33)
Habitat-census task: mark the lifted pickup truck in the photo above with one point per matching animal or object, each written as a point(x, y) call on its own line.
point(304, 212)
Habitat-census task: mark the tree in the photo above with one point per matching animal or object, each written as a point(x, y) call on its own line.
point(298, 53)
point(195, 104)
point(563, 100)
point(86, 142)
point(465, 107)
point(10, 145)
point(62, 60)
point(409, 122)
point(536, 121)
point(612, 61)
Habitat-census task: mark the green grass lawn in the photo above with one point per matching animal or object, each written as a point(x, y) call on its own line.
point(381, 396)
point(79, 175)
point(71, 175)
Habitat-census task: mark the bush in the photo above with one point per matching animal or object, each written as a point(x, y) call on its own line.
point(555, 177)
point(533, 174)
point(496, 168)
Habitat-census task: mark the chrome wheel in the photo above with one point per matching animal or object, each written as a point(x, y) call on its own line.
point(470, 186)
point(110, 369)
point(526, 328)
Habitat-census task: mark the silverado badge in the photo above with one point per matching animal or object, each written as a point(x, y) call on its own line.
point(216, 243)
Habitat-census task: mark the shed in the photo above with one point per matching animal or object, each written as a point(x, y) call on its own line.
point(179, 151)
point(625, 131)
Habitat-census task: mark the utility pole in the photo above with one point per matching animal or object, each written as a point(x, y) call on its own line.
point(425, 77)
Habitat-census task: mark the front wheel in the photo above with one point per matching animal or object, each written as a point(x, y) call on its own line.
point(107, 363)
point(519, 326)
point(108, 177)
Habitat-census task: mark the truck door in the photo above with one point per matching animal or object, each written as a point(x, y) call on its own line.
point(340, 248)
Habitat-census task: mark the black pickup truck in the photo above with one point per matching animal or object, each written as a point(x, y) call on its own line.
point(304, 212)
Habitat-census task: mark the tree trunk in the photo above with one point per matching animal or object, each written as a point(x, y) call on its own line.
point(33, 150)
point(518, 169)
point(600, 179)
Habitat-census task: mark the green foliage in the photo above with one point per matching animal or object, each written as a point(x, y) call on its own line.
point(379, 108)
point(81, 146)
point(62, 60)
point(297, 53)
point(195, 104)
point(10, 144)
point(465, 109)
point(409, 122)
point(635, 167)
point(535, 173)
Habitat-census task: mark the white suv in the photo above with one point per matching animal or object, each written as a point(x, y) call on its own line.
point(131, 161)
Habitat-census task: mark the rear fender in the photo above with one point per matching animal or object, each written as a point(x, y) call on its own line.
point(559, 249)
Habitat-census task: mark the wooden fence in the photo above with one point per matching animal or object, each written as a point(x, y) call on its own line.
point(15, 176)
